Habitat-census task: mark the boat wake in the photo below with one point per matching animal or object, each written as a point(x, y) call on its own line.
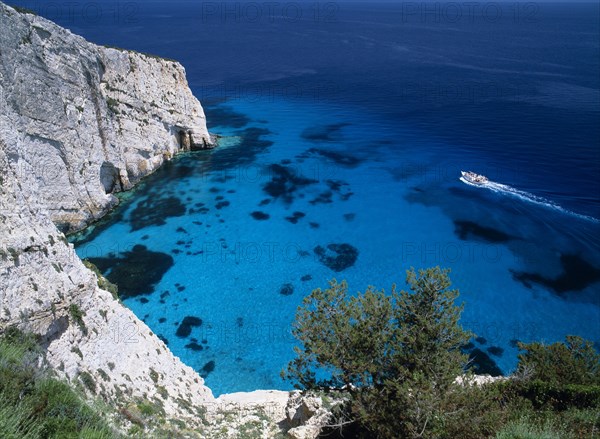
point(526, 196)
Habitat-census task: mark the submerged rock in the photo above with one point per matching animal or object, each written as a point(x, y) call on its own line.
point(324, 133)
point(295, 217)
point(577, 275)
point(338, 158)
point(194, 346)
point(137, 271)
point(154, 211)
point(466, 230)
point(185, 327)
point(286, 290)
point(207, 369)
point(483, 364)
point(337, 257)
point(495, 350)
point(260, 216)
point(285, 182)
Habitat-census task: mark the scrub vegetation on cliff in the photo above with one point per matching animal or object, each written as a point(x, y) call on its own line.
point(34, 404)
point(395, 358)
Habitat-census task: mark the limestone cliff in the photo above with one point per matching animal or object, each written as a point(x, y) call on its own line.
point(87, 120)
point(78, 122)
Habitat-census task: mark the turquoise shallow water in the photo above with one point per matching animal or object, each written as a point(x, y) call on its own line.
point(354, 178)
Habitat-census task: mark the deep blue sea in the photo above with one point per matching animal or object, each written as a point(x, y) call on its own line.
point(346, 127)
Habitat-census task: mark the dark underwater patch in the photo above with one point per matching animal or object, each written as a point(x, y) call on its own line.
point(295, 217)
point(496, 350)
point(136, 272)
point(468, 347)
point(194, 346)
point(577, 274)
point(239, 155)
point(260, 216)
point(339, 158)
point(221, 204)
point(306, 278)
point(323, 133)
point(314, 225)
point(349, 216)
point(285, 182)
point(225, 116)
point(336, 185)
point(286, 290)
point(323, 198)
point(207, 369)
point(153, 212)
point(337, 257)
point(466, 230)
point(185, 327)
point(481, 340)
point(163, 339)
point(482, 364)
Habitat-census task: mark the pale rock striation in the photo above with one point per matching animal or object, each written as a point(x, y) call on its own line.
point(88, 120)
point(77, 122)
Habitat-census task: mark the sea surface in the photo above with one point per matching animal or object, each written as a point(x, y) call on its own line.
point(346, 126)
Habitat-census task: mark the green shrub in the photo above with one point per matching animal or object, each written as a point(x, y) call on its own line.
point(77, 315)
point(399, 354)
point(33, 404)
point(524, 428)
point(103, 282)
point(22, 10)
point(557, 397)
point(146, 408)
point(573, 362)
point(113, 105)
point(88, 381)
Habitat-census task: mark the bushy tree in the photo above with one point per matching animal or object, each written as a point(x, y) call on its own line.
point(573, 362)
point(397, 354)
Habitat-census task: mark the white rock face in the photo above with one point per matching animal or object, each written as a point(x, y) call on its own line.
point(78, 122)
point(88, 120)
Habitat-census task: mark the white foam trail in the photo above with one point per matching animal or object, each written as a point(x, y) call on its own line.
point(526, 196)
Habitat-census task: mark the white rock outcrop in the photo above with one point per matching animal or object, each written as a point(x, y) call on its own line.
point(85, 120)
point(78, 122)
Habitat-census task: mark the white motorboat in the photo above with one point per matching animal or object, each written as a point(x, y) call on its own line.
point(474, 178)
